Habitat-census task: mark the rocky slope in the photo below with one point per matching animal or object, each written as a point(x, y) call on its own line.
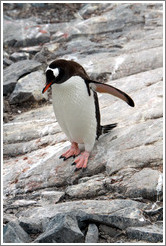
point(119, 197)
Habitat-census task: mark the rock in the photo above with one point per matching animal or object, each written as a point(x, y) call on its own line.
point(90, 188)
point(6, 62)
point(13, 233)
point(31, 49)
point(96, 25)
point(29, 88)
point(24, 33)
point(99, 176)
point(123, 65)
point(58, 173)
point(70, 216)
point(153, 18)
point(5, 117)
point(151, 233)
point(23, 203)
point(137, 184)
point(92, 234)
point(109, 151)
point(17, 56)
point(16, 71)
point(144, 184)
point(43, 55)
point(118, 212)
point(108, 230)
point(51, 197)
point(63, 228)
point(52, 47)
point(8, 218)
point(31, 226)
point(6, 106)
point(92, 8)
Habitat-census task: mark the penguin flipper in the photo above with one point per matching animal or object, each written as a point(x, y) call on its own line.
point(104, 88)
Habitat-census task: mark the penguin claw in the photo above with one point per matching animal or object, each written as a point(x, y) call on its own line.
point(63, 157)
point(76, 169)
point(81, 161)
point(73, 164)
point(84, 169)
point(72, 152)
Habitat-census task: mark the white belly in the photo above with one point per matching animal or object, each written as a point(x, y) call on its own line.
point(75, 111)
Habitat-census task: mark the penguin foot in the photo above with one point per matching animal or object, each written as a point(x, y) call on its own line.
point(81, 161)
point(72, 152)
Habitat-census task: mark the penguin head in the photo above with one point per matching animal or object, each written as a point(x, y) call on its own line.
point(61, 70)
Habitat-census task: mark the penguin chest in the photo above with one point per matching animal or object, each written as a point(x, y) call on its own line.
point(75, 109)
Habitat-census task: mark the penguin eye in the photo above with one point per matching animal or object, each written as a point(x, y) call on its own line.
point(55, 71)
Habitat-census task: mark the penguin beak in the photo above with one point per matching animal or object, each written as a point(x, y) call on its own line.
point(46, 87)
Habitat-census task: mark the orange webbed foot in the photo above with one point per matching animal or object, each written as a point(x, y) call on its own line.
point(81, 161)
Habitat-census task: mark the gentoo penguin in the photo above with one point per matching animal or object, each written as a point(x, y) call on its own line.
point(76, 106)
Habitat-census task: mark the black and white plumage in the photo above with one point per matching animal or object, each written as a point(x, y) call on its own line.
point(76, 107)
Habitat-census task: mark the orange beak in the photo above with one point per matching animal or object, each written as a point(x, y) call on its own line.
point(46, 87)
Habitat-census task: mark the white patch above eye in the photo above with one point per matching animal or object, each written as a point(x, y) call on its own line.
point(54, 70)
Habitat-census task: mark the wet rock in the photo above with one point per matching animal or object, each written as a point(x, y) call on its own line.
point(29, 88)
point(92, 234)
point(151, 233)
point(63, 228)
point(15, 71)
point(13, 233)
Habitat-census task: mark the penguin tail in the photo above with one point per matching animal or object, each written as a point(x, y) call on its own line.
point(107, 128)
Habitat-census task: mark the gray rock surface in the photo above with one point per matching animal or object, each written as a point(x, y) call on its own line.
point(150, 233)
point(13, 233)
point(26, 89)
point(119, 212)
point(17, 56)
point(15, 71)
point(51, 197)
point(92, 234)
point(108, 230)
point(120, 44)
point(24, 33)
point(62, 228)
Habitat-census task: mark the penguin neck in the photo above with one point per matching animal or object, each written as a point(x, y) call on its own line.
point(71, 86)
